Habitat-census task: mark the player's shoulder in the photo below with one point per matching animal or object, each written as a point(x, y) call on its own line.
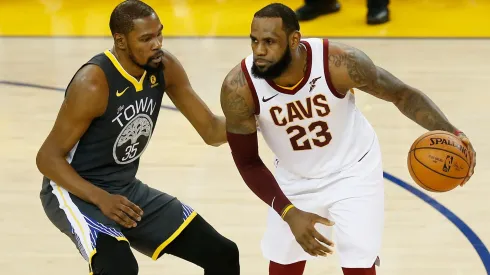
point(236, 83)
point(169, 59)
point(336, 48)
point(236, 93)
point(236, 80)
point(90, 78)
point(89, 90)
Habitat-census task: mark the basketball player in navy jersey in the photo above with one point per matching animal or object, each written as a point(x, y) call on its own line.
point(328, 160)
point(91, 156)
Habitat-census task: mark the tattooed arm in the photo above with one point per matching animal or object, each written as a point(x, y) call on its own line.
point(351, 68)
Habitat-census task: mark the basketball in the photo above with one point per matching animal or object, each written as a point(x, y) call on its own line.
point(438, 161)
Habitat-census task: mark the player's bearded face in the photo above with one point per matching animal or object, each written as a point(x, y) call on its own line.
point(273, 70)
point(149, 63)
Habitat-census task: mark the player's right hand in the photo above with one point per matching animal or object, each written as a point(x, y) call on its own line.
point(302, 225)
point(120, 209)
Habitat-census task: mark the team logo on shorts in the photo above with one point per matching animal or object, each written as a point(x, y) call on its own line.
point(133, 139)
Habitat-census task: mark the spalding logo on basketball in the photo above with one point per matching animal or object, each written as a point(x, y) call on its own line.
point(438, 161)
point(133, 139)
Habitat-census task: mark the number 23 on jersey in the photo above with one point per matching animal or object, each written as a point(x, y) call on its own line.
point(296, 111)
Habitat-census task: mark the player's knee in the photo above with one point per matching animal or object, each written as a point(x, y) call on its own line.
point(231, 253)
point(113, 257)
point(227, 257)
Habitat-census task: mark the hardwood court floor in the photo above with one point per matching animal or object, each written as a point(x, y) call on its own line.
point(418, 239)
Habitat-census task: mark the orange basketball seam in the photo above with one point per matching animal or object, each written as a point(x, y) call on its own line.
point(415, 175)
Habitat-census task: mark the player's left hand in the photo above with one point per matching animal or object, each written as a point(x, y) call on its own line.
point(472, 155)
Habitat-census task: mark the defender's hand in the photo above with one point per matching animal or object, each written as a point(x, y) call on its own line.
point(472, 155)
point(120, 209)
point(302, 225)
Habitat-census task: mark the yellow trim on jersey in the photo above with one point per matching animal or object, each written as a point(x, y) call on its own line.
point(292, 88)
point(138, 85)
point(122, 239)
point(173, 236)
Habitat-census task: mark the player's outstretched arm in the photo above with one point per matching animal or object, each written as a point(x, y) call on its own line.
point(352, 68)
point(85, 100)
point(210, 127)
point(239, 109)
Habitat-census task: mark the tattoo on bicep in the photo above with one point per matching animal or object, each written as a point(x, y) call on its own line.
point(360, 68)
point(238, 80)
point(235, 106)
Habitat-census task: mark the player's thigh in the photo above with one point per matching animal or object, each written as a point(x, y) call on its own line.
point(358, 228)
point(81, 221)
point(164, 218)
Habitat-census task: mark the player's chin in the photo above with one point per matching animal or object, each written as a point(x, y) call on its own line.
point(261, 68)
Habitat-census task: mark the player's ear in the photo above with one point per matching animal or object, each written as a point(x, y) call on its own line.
point(120, 41)
point(295, 39)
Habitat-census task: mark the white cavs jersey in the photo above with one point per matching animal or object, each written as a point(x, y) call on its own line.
point(312, 129)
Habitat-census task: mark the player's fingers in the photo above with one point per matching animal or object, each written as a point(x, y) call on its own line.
point(120, 221)
point(133, 206)
point(317, 248)
point(130, 212)
point(306, 245)
point(124, 219)
point(322, 220)
point(322, 239)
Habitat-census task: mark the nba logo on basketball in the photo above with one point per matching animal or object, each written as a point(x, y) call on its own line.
point(447, 164)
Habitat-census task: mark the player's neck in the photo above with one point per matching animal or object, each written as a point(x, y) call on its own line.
point(127, 64)
point(296, 69)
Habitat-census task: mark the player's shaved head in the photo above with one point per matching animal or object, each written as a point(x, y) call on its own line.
point(123, 16)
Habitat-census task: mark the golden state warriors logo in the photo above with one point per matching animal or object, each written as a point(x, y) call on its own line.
point(153, 81)
point(133, 139)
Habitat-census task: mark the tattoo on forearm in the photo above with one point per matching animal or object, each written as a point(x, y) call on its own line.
point(422, 110)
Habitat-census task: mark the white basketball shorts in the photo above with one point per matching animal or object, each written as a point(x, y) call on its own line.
point(353, 199)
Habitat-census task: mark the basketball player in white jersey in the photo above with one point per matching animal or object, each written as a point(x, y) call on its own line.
point(328, 162)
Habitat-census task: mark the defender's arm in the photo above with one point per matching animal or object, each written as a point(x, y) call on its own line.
point(209, 126)
point(238, 107)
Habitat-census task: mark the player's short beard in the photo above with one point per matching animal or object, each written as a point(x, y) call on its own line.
point(147, 67)
point(275, 70)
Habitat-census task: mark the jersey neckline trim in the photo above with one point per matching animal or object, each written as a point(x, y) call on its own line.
point(138, 85)
point(305, 78)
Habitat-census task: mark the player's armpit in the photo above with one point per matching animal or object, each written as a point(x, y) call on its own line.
point(210, 127)
point(85, 100)
point(238, 107)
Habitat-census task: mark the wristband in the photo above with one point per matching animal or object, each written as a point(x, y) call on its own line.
point(286, 210)
point(457, 132)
